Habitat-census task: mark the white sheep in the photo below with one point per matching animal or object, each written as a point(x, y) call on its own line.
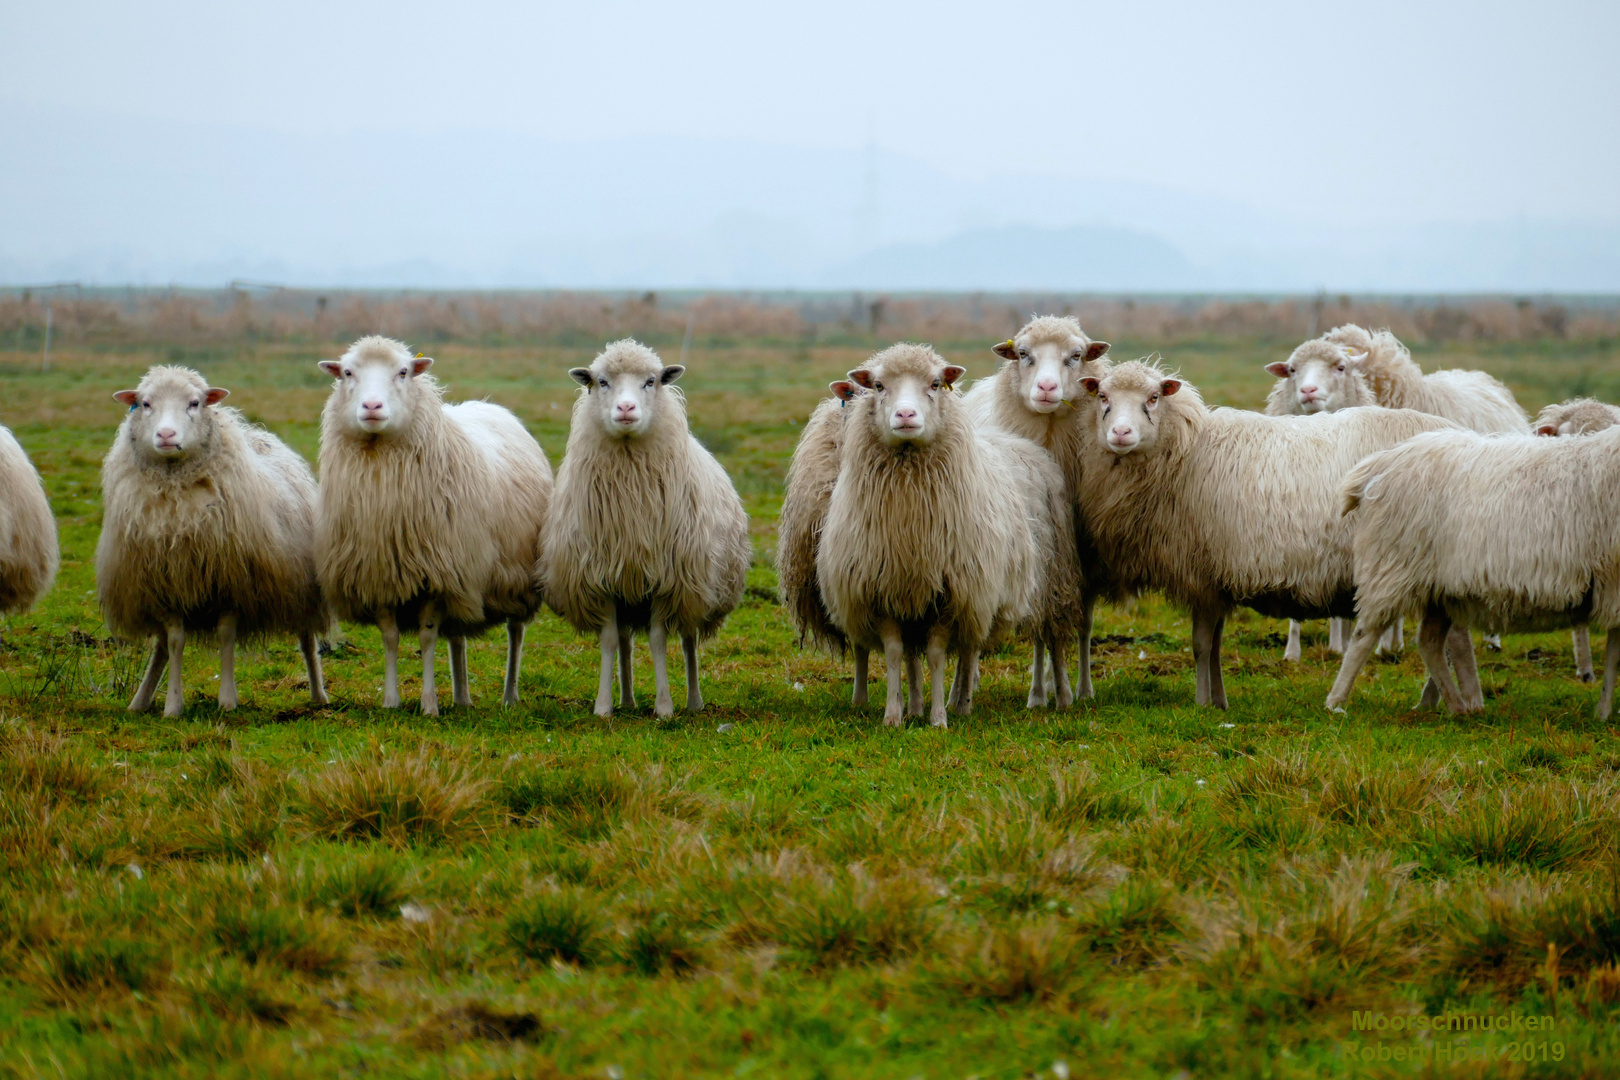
point(429, 514)
point(207, 528)
point(1221, 508)
point(938, 537)
point(28, 549)
point(1507, 533)
point(646, 529)
point(1033, 395)
point(1578, 416)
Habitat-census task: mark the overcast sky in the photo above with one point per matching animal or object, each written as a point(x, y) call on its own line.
point(1337, 113)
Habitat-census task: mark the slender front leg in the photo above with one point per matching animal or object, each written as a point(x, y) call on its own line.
point(428, 636)
point(312, 666)
point(175, 703)
point(1037, 676)
point(627, 687)
point(658, 642)
point(389, 626)
point(857, 697)
point(610, 648)
point(1611, 659)
point(1432, 634)
point(1291, 650)
point(1336, 636)
point(894, 661)
point(1582, 638)
point(1203, 637)
point(1088, 608)
point(1217, 685)
point(936, 676)
point(227, 661)
point(1460, 650)
point(1060, 668)
point(460, 691)
point(694, 692)
point(914, 695)
point(514, 662)
point(1362, 642)
point(967, 678)
point(154, 671)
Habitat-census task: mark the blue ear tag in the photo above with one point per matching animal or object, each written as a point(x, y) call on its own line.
point(132, 407)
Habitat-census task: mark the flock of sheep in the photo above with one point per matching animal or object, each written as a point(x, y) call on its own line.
point(918, 520)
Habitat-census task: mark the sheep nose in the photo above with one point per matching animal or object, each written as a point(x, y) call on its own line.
point(371, 406)
point(626, 406)
point(1122, 430)
point(905, 414)
point(1307, 391)
point(1048, 385)
point(165, 434)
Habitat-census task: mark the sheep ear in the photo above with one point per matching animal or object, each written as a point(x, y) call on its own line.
point(1278, 368)
point(1547, 429)
point(843, 390)
point(1096, 350)
point(671, 373)
point(216, 394)
point(1169, 386)
point(126, 397)
point(1006, 350)
point(582, 375)
point(952, 373)
point(1353, 357)
point(1091, 385)
point(420, 365)
point(862, 377)
point(333, 368)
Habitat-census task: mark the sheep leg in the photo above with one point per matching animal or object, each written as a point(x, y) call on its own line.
point(1430, 696)
point(1432, 634)
point(1392, 641)
point(959, 684)
point(969, 659)
point(914, 698)
point(1088, 607)
point(1582, 638)
point(604, 686)
point(1291, 650)
point(1037, 676)
point(1611, 659)
point(154, 670)
point(1207, 657)
point(936, 678)
point(460, 691)
point(1336, 636)
point(658, 642)
point(312, 665)
point(514, 662)
point(694, 692)
point(1217, 686)
point(857, 697)
point(1460, 650)
point(894, 660)
point(227, 661)
point(1363, 639)
point(175, 703)
point(390, 635)
point(627, 684)
point(428, 636)
point(1059, 668)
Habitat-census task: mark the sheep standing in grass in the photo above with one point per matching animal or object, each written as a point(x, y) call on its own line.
point(208, 527)
point(938, 537)
point(28, 550)
point(1578, 416)
point(429, 514)
point(1472, 399)
point(805, 497)
point(1037, 395)
point(1221, 508)
point(646, 530)
point(1509, 534)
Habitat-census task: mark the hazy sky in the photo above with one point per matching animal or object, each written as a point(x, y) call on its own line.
point(1338, 113)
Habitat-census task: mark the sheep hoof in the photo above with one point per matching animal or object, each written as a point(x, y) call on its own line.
point(938, 719)
point(1036, 701)
point(1587, 676)
point(892, 719)
point(227, 705)
point(173, 712)
point(1336, 709)
point(319, 699)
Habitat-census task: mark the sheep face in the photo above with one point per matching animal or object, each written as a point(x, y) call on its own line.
point(1582, 416)
point(1130, 402)
point(1052, 356)
point(627, 384)
point(374, 379)
point(168, 413)
point(1319, 374)
point(906, 382)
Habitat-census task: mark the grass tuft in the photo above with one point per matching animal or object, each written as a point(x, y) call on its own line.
point(283, 935)
point(372, 885)
point(397, 799)
point(560, 925)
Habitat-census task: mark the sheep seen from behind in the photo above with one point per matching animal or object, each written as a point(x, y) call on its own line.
point(28, 549)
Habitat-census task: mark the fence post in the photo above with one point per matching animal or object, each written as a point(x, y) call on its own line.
point(45, 363)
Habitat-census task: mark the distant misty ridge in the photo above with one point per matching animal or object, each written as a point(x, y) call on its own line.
point(104, 200)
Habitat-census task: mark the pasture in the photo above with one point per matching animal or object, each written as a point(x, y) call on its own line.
point(780, 886)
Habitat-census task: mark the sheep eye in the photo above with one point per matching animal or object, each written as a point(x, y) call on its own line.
point(936, 384)
point(1153, 400)
point(877, 386)
point(347, 374)
point(651, 381)
point(195, 403)
point(1340, 367)
point(602, 383)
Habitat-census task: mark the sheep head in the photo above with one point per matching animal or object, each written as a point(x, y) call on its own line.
point(1130, 402)
point(907, 383)
point(1052, 355)
point(169, 415)
point(628, 385)
point(376, 379)
point(1320, 374)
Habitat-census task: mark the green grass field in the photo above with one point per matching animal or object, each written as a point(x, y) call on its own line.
point(780, 886)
